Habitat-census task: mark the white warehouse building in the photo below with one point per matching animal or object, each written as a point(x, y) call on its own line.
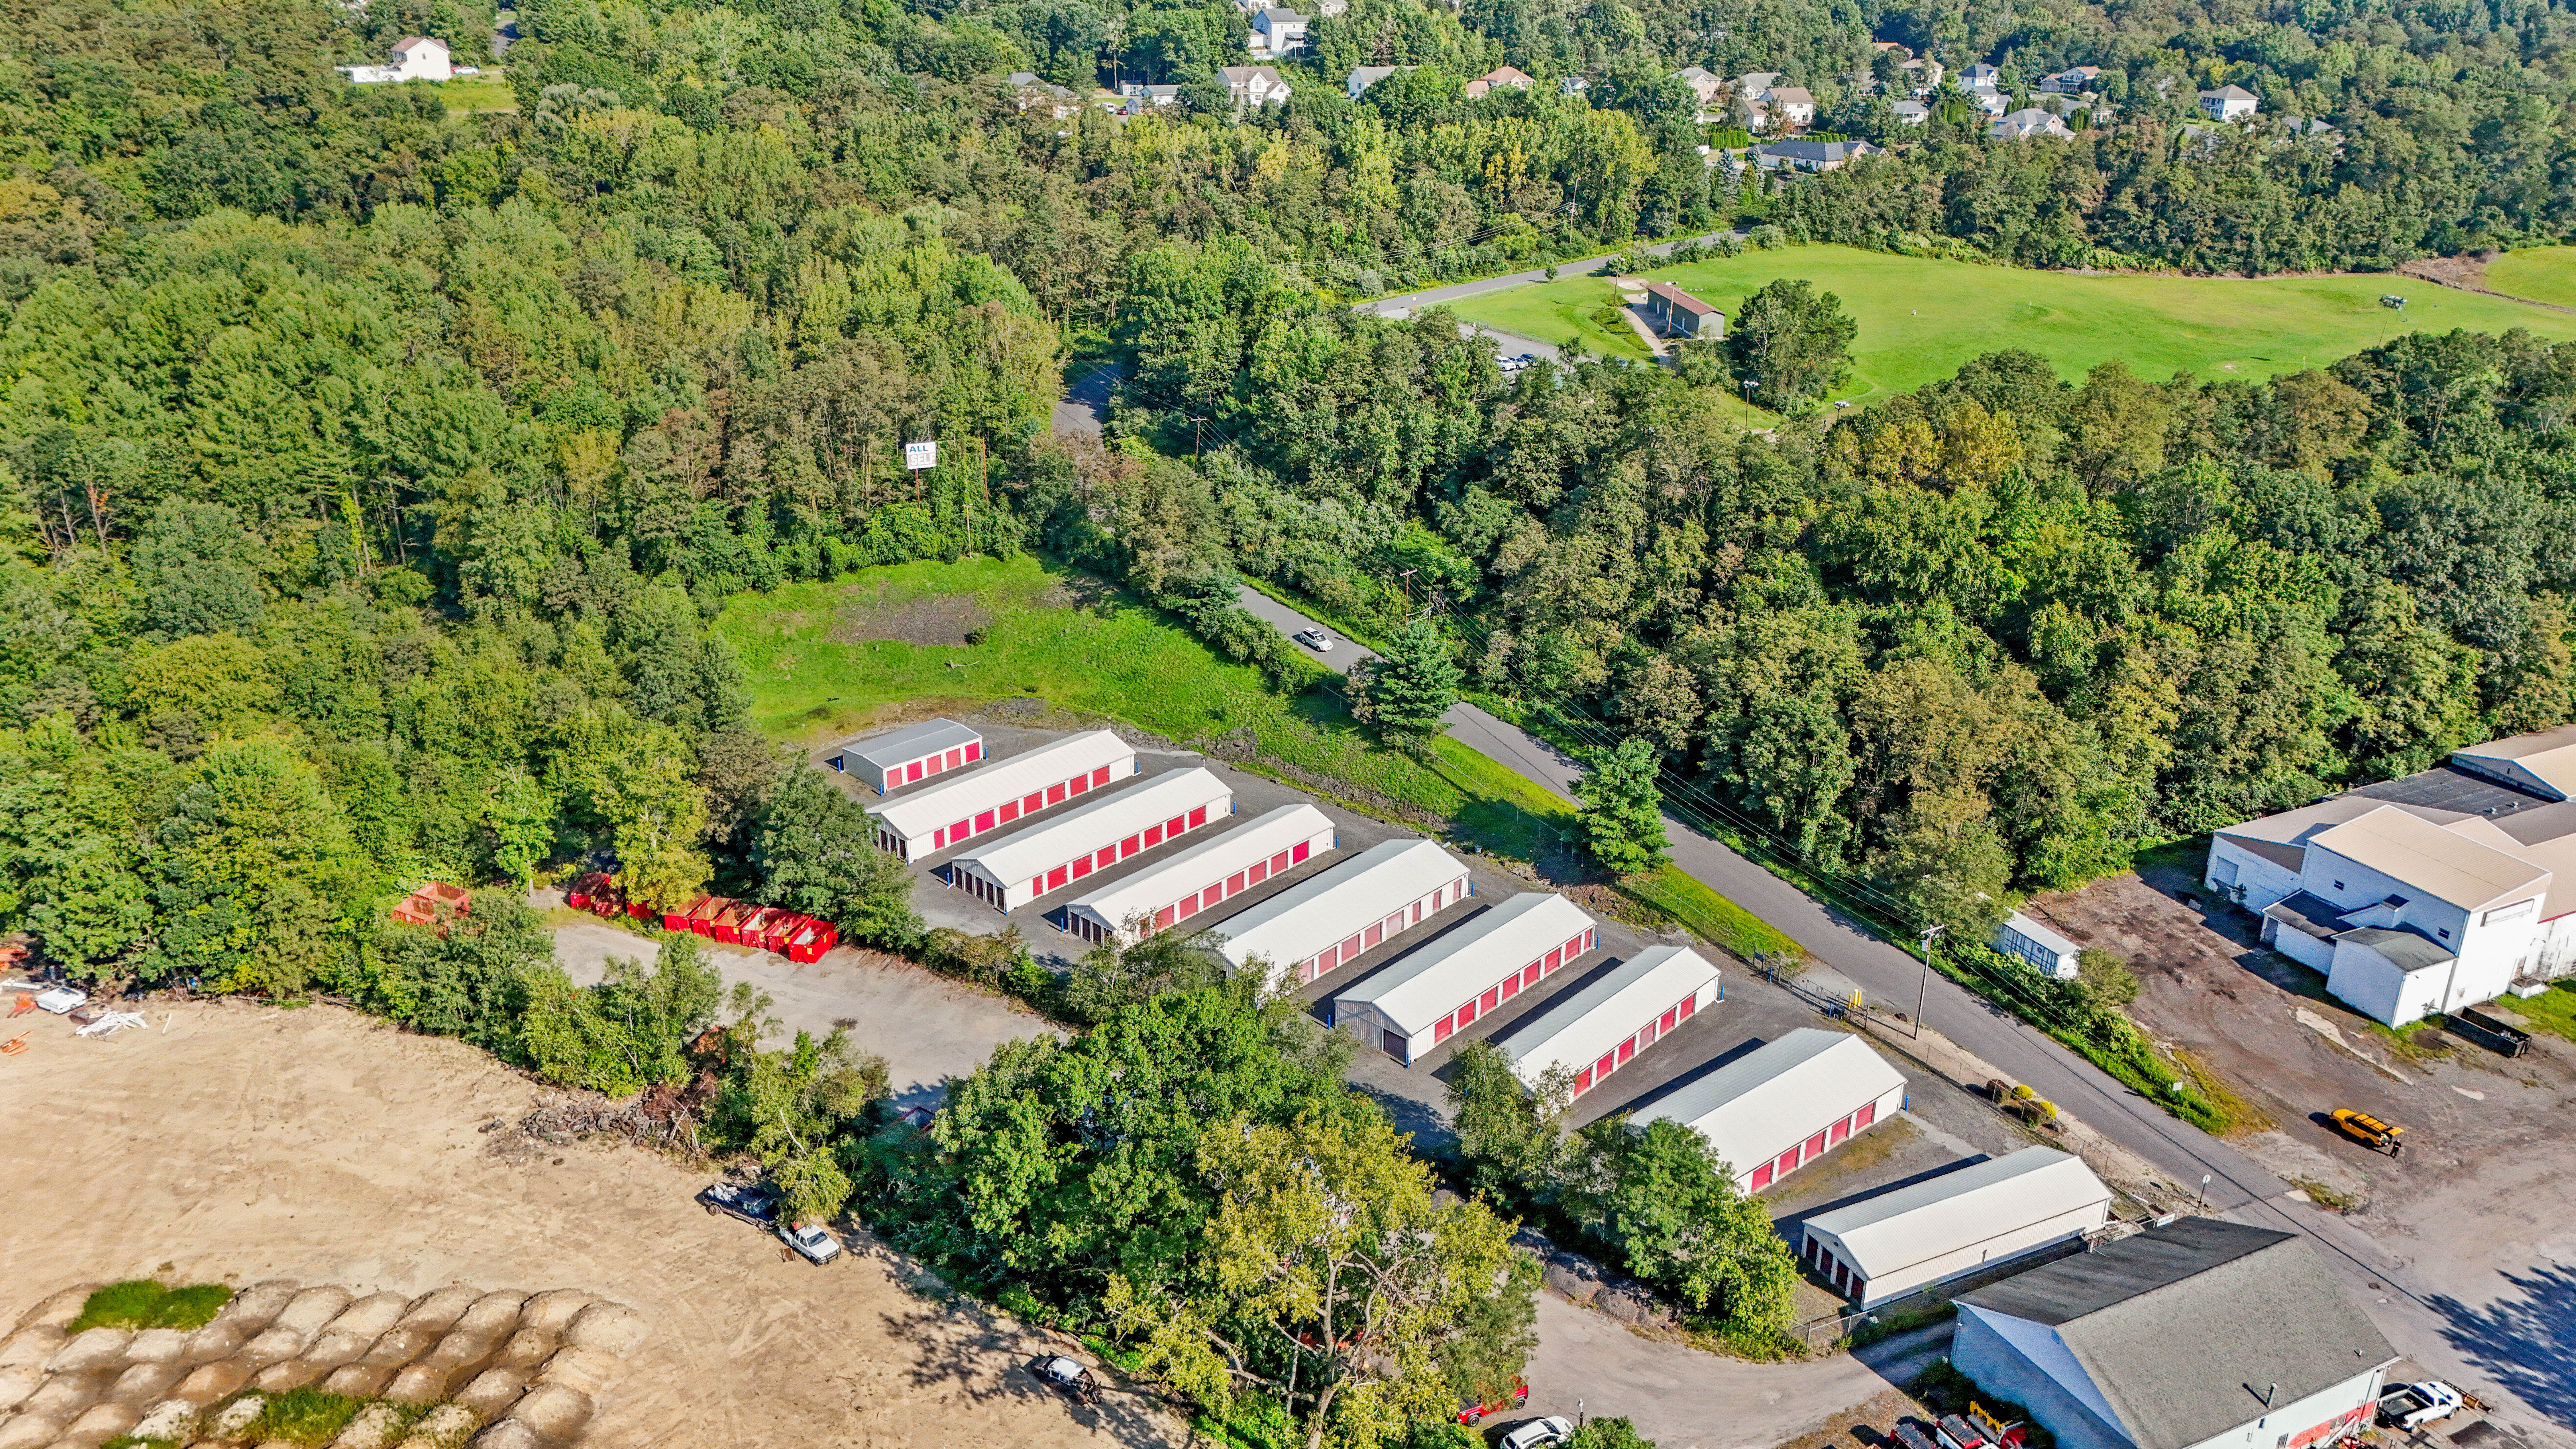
point(1319, 925)
point(1775, 1110)
point(909, 755)
point(1422, 999)
point(1204, 876)
point(1003, 791)
point(1603, 1025)
point(1019, 868)
point(1911, 1237)
point(2420, 895)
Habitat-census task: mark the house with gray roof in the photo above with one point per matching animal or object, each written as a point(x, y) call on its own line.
point(2201, 1334)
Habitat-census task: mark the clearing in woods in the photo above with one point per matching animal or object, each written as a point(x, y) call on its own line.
point(1921, 318)
point(2544, 274)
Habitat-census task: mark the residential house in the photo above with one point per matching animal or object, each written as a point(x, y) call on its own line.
point(1029, 93)
point(1254, 85)
point(1276, 33)
point(1677, 313)
point(2229, 103)
point(1923, 76)
point(1364, 76)
point(1911, 113)
point(2422, 894)
point(1811, 156)
point(2029, 121)
point(1141, 99)
point(2199, 1334)
point(1710, 89)
point(1795, 108)
point(2072, 81)
point(1504, 75)
point(414, 57)
point(1981, 76)
point(1572, 85)
point(2309, 128)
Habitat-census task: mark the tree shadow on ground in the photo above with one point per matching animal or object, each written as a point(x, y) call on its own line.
point(2527, 1342)
point(962, 1344)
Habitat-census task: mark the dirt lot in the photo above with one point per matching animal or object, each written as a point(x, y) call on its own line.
point(246, 1143)
point(2473, 1216)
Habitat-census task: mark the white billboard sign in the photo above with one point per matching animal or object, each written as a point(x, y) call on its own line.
point(921, 455)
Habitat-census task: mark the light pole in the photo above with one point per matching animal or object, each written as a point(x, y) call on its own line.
point(1923, 988)
point(2201, 1196)
point(1749, 385)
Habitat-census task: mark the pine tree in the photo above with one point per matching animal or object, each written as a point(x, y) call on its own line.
point(1623, 812)
point(1412, 684)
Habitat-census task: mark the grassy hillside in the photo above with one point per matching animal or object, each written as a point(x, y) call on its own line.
point(2544, 274)
point(1921, 318)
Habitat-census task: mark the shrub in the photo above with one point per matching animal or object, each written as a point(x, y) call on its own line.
point(143, 1303)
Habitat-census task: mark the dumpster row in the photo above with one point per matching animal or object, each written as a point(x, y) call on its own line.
point(722, 919)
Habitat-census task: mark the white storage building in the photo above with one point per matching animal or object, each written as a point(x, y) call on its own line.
point(1601, 1027)
point(1887, 1246)
point(1203, 876)
point(951, 814)
point(1314, 926)
point(909, 755)
point(1019, 868)
point(1447, 983)
point(1772, 1111)
point(2045, 950)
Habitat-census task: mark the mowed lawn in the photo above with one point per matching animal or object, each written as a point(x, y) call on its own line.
point(2544, 274)
point(1921, 318)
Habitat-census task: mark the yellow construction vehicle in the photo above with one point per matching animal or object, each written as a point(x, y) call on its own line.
point(2369, 1131)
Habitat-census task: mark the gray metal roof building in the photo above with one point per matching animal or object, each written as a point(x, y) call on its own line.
point(892, 761)
point(2198, 1333)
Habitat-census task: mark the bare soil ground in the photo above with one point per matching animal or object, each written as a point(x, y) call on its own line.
point(245, 1143)
point(2474, 1211)
point(933, 619)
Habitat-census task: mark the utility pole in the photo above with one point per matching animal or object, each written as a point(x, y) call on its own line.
point(1197, 433)
point(983, 473)
point(1405, 579)
point(1923, 988)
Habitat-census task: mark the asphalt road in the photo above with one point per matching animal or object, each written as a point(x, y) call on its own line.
point(1084, 405)
point(1400, 305)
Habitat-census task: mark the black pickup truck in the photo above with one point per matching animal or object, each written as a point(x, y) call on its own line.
point(750, 1201)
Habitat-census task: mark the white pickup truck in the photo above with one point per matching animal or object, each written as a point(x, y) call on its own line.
point(2410, 1406)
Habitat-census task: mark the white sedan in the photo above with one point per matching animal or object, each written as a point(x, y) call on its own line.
point(1315, 639)
point(1550, 1430)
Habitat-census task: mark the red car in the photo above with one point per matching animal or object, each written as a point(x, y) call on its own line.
point(1470, 1410)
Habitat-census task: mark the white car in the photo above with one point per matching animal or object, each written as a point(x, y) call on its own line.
point(812, 1241)
point(1066, 1377)
point(1551, 1430)
point(1315, 639)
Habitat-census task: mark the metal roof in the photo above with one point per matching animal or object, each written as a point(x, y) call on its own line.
point(2179, 1327)
point(911, 743)
point(970, 794)
point(2405, 950)
point(1759, 1105)
point(1424, 986)
point(2544, 762)
point(1577, 1028)
point(1313, 914)
point(1164, 882)
point(1896, 1230)
point(1681, 299)
point(2438, 862)
point(1050, 843)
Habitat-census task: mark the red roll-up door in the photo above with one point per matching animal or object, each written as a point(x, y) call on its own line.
point(975, 751)
point(1351, 948)
point(1582, 1081)
point(1486, 1001)
point(1278, 862)
point(1055, 794)
point(1511, 986)
point(1105, 858)
point(1816, 1145)
point(1165, 916)
point(983, 821)
point(1100, 776)
point(1078, 784)
point(1198, 817)
point(1440, 1030)
point(1175, 826)
point(1372, 936)
point(1690, 1004)
point(1531, 973)
point(956, 758)
point(1762, 1177)
point(1260, 872)
point(1131, 845)
point(1609, 1063)
point(1082, 867)
point(1866, 1115)
point(914, 774)
point(1466, 1013)
point(1056, 877)
point(1671, 1014)
point(1555, 958)
point(1153, 836)
point(1234, 883)
point(1841, 1129)
point(1010, 811)
point(1627, 1049)
point(1297, 854)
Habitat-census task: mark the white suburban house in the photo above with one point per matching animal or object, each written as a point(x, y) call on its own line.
point(1254, 85)
point(2229, 103)
point(2072, 81)
point(1923, 75)
point(1277, 32)
point(415, 57)
point(1141, 99)
point(1364, 76)
point(1911, 113)
point(1501, 75)
point(1709, 88)
point(1793, 106)
point(2425, 894)
point(2028, 121)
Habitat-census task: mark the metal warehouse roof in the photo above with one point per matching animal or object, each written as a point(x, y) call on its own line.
point(1158, 885)
point(1001, 780)
point(2173, 1324)
point(1022, 854)
point(1755, 1107)
point(1579, 1028)
point(2544, 763)
point(1425, 985)
point(1889, 1233)
point(2438, 862)
point(911, 743)
point(1313, 914)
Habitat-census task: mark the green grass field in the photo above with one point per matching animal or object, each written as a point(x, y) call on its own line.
point(2544, 274)
point(489, 91)
point(1920, 318)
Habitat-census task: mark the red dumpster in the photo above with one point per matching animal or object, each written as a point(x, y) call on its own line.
point(585, 888)
point(781, 926)
point(811, 941)
point(728, 927)
point(702, 916)
point(755, 927)
point(677, 919)
point(640, 910)
point(608, 900)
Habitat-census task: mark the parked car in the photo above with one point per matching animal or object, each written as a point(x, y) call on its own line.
point(1066, 1377)
point(1551, 1430)
point(1315, 639)
point(1471, 1411)
point(812, 1241)
point(2411, 1406)
point(2369, 1131)
point(751, 1202)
